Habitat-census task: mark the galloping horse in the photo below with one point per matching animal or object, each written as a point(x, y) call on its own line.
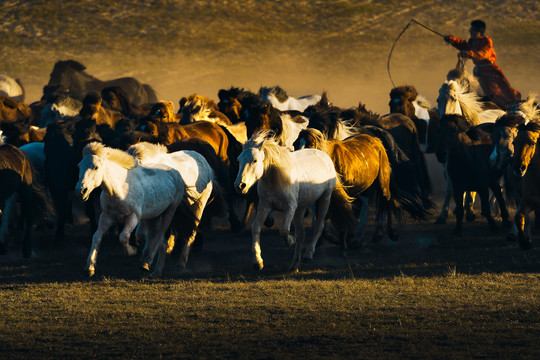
point(282, 101)
point(200, 187)
point(363, 166)
point(454, 98)
point(131, 193)
point(289, 182)
point(526, 165)
point(19, 179)
point(466, 150)
point(71, 75)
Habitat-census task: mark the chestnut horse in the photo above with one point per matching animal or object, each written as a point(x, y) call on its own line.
point(526, 165)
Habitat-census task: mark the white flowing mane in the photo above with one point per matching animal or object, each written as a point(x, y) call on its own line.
point(145, 150)
point(344, 129)
point(451, 90)
point(291, 129)
point(528, 109)
point(276, 157)
point(119, 157)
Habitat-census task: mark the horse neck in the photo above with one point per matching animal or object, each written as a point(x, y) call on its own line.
point(115, 180)
point(277, 167)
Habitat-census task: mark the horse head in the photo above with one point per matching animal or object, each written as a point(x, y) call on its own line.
point(525, 147)
point(251, 165)
point(90, 170)
point(401, 100)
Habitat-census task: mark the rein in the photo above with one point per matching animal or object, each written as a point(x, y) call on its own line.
point(412, 21)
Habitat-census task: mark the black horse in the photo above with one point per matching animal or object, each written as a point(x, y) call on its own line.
point(70, 75)
point(18, 179)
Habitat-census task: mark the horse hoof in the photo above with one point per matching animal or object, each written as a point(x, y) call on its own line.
point(91, 272)
point(525, 243)
point(258, 267)
point(440, 221)
point(145, 267)
point(470, 217)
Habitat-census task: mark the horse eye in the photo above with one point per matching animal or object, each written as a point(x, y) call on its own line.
point(254, 161)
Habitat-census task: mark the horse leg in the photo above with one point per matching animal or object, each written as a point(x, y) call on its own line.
point(322, 209)
point(285, 229)
point(497, 193)
point(131, 223)
point(379, 220)
point(390, 227)
point(486, 210)
point(262, 213)
point(458, 211)
point(443, 215)
point(300, 236)
point(4, 227)
point(362, 221)
point(104, 224)
point(198, 213)
point(28, 213)
point(521, 213)
point(470, 197)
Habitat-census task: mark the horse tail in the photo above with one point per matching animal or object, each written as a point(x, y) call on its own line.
point(395, 154)
point(184, 221)
point(404, 201)
point(151, 95)
point(340, 210)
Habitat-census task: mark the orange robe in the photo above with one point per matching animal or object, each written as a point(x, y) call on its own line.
point(489, 74)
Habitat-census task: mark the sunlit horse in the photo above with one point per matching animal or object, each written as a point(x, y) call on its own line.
point(456, 99)
point(200, 185)
point(131, 193)
point(283, 101)
point(364, 168)
point(289, 182)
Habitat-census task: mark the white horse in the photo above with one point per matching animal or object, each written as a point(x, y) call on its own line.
point(199, 184)
point(454, 98)
point(288, 182)
point(282, 101)
point(11, 87)
point(131, 193)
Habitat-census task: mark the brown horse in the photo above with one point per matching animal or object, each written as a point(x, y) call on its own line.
point(92, 109)
point(11, 111)
point(197, 108)
point(363, 165)
point(466, 150)
point(18, 178)
point(526, 165)
point(231, 103)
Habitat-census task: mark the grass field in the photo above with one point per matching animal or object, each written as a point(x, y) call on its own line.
point(428, 296)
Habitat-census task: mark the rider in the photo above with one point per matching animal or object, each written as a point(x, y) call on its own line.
point(479, 48)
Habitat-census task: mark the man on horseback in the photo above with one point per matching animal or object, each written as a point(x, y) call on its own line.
point(479, 48)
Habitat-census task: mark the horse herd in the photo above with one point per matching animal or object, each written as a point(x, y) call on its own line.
point(163, 174)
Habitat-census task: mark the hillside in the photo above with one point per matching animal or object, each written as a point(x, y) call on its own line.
point(341, 46)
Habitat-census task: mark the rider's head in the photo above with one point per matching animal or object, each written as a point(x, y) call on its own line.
point(478, 27)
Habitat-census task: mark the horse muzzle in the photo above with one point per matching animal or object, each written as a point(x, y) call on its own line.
point(241, 187)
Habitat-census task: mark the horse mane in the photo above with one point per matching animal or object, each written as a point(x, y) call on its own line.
point(529, 109)
point(69, 64)
point(320, 141)
point(407, 91)
point(531, 126)
point(280, 94)
point(511, 119)
point(423, 102)
point(459, 120)
point(205, 104)
point(119, 157)
point(144, 150)
point(468, 101)
point(163, 110)
point(275, 157)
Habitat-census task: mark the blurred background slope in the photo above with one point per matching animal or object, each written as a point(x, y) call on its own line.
point(199, 46)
